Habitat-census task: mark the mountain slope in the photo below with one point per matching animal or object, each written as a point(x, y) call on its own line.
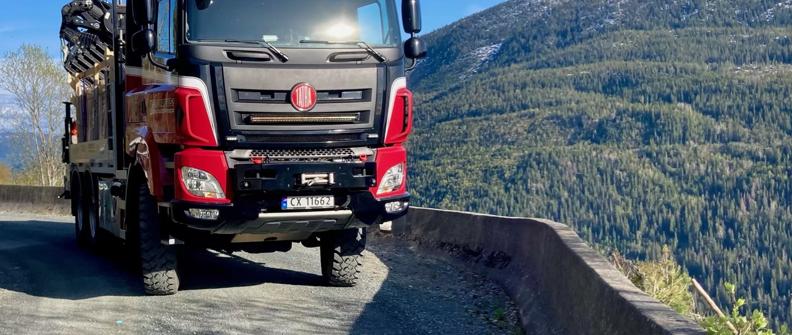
point(640, 123)
point(530, 30)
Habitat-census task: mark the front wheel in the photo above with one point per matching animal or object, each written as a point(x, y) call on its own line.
point(157, 261)
point(342, 256)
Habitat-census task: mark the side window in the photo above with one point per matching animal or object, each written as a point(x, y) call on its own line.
point(165, 27)
point(371, 23)
point(173, 7)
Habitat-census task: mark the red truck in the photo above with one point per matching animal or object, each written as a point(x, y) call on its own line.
point(238, 126)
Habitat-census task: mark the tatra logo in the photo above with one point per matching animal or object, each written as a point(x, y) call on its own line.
point(303, 97)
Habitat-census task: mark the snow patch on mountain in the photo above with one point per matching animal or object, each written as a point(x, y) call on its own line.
point(480, 57)
point(770, 14)
point(506, 14)
point(485, 54)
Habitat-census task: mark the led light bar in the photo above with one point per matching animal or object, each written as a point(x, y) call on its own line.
point(303, 118)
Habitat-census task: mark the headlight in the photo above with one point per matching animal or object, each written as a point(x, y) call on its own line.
point(392, 180)
point(201, 183)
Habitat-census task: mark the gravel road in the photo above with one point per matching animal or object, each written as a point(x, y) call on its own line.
point(49, 286)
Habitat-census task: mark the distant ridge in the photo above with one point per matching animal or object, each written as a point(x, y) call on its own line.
point(527, 30)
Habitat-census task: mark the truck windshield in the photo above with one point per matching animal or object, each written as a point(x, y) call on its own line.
point(286, 23)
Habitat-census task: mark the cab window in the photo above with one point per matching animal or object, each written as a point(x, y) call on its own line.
point(372, 23)
point(165, 26)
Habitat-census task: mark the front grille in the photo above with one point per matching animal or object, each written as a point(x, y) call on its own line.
point(349, 103)
point(306, 154)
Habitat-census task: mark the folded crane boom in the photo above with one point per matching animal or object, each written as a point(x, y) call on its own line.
point(87, 34)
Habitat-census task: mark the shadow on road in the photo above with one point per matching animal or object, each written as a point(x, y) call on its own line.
point(42, 259)
point(204, 269)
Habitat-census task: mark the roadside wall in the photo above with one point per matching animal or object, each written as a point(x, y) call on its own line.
point(31, 199)
point(546, 268)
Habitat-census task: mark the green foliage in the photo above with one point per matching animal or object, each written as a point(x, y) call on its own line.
point(666, 281)
point(499, 314)
point(667, 127)
point(754, 323)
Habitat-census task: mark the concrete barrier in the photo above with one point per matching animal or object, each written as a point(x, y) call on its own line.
point(546, 268)
point(31, 199)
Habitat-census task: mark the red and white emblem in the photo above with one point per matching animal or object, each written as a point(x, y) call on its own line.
point(303, 97)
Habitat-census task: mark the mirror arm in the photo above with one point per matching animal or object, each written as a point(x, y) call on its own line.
point(157, 64)
point(413, 61)
point(413, 64)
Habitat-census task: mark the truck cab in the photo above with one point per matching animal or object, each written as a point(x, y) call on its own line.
point(238, 126)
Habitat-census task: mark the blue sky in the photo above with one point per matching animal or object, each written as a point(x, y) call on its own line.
point(38, 21)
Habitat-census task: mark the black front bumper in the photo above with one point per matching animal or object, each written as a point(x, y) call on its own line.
point(250, 179)
point(259, 189)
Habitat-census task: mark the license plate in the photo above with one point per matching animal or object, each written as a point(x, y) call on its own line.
point(308, 202)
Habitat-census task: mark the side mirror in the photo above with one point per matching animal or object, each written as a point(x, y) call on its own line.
point(411, 16)
point(415, 48)
point(144, 12)
point(144, 42)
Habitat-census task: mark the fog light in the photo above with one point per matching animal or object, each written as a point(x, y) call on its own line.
point(203, 214)
point(396, 207)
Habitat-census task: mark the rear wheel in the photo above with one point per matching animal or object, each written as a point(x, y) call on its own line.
point(342, 256)
point(87, 218)
point(81, 230)
point(92, 216)
point(157, 261)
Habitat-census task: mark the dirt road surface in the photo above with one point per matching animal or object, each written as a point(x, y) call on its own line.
point(50, 286)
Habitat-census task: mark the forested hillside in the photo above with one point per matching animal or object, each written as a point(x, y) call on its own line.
point(640, 123)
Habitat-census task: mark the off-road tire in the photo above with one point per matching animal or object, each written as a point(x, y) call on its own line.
point(157, 261)
point(342, 256)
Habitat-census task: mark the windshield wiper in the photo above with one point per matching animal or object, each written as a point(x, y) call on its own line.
point(282, 56)
point(360, 44)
